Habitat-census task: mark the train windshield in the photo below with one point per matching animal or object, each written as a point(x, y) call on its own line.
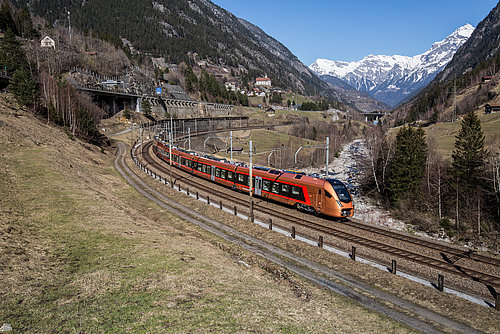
point(341, 190)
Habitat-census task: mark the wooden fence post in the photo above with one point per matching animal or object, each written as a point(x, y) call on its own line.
point(440, 282)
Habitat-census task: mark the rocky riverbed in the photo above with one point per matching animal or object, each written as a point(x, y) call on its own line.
point(348, 168)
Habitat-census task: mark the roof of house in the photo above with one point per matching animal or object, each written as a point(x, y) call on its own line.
point(262, 79)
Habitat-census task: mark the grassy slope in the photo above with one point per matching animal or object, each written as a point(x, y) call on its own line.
point(83, 252)
point(443, 134)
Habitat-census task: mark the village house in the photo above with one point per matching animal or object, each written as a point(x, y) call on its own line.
point(486, 78)
point(489, 108)
point(48, 42)
point(263, 82)
point(230, 86)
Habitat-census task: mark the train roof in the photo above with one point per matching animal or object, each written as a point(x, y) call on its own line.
point(282, 174)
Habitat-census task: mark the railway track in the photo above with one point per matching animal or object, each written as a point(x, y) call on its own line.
point(407, 312)
point(440, 257)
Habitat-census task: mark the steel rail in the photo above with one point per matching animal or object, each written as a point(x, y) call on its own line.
point(443, 265)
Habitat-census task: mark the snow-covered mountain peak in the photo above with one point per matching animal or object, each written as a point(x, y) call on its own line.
point(465, 31)
point(392, 78)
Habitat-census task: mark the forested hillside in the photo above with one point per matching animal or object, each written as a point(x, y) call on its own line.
point(182, 30)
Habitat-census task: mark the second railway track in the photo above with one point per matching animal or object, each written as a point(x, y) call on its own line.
point(440, 257)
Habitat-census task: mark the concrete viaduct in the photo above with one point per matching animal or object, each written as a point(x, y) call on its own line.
point(177, 108)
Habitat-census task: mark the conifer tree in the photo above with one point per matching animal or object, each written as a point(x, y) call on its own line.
point(24, 87)
point(407, 168)
point(6, 20)
point(12, 56)
point(469, 159)
point(146, 107)
point(469, 155)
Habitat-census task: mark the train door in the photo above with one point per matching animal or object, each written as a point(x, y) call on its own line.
point(212, 174)
point(320, 199)
point(258, 186)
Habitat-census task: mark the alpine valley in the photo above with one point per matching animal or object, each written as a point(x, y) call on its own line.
point(393, 79)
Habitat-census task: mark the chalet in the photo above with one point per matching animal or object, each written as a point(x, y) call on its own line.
point(263, 82)
point(489, 108)
point(48, 42)
point(271, 110)
point(230, 86)
point(485, 78)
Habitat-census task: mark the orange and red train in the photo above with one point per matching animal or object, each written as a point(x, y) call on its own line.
point(316, 195)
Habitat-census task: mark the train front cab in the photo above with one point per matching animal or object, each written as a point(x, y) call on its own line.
point(337, 199)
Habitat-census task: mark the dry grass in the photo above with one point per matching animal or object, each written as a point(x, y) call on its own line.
point(83, 252)
point(444, 134)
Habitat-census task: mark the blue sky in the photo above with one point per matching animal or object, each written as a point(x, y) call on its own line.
point(350, 30)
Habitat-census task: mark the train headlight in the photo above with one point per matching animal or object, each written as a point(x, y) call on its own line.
point(338, 202)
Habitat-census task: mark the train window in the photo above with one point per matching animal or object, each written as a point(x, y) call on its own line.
point(217, 172)
point(204, 168)
point(285, 188)
point(242, 179)
point(223, 174)
point(297, 193)
point(266, 185)
point(327, 194)
point(230, 176)
point(276, 188)
point(183, 161)
point(200, 165)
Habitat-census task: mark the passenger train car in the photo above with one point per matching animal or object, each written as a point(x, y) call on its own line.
point(316, 195)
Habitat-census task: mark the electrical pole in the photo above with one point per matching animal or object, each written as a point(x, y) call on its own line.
point(170, 160)
point(327, 154)
point(454, 113)
point(250, 181)
point(140, 135)
point(172, 134)
point(69, 27)
point(231, 139)
point(189, 138)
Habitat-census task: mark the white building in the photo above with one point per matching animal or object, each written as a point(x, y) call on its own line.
point(263, 82)
point(48, 42)
point(231, 86)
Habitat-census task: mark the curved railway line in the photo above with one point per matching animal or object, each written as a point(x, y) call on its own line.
point(483, 272)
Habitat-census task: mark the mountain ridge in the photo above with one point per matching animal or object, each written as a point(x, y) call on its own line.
point(392, 79)
point(179, 29)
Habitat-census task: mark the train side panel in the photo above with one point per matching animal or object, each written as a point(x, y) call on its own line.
point(304, 192)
